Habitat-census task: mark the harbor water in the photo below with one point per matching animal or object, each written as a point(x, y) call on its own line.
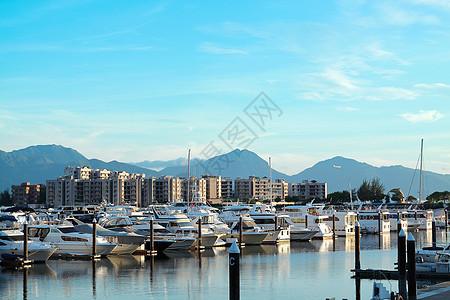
point(296, 270)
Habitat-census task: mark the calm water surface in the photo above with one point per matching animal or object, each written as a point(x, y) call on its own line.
point(300, 270)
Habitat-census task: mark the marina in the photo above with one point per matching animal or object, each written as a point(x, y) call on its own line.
point(318, 269)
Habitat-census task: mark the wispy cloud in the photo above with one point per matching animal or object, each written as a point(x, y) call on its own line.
point(347, 108)
point(432, 85)
point(213, 48)
point(338, 78)
point(390, 93)
point(395, 15)
point(423, 116)
point(434, 3)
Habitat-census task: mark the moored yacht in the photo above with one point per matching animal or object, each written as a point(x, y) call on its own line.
point(12, 245)
point(69, 241)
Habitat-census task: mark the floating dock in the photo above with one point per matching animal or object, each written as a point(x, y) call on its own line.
point(393, 274)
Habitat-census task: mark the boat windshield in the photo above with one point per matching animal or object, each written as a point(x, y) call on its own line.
point(67, 229)
point(184, 223)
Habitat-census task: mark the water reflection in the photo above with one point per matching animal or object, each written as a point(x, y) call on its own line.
point(267, 272)
point(94, 288)
point(25, 283)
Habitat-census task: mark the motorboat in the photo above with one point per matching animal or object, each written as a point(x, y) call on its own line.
point(12, 246)
point(127, 242)
point(309, 217)
point(69, 241)
point(124, 225)
point(179, 223)
point(252, 234)
point(344, 219)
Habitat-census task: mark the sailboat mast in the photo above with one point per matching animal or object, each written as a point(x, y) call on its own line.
point(270, 182)
point(189, 177)
point(421, 165)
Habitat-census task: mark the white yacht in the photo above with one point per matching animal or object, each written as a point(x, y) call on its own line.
point(252, 234)
point(344, 221)
point(69, 241)
point(12, 245)
point(180, 224)
point(308, 217)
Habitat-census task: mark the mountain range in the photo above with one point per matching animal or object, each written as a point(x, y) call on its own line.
point(36, 164)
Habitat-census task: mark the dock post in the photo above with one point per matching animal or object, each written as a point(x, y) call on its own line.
point(433, 231)
point(334, 225)
point(234, 276)
point(199, 233)
point(241, 228)
point(446, 219)
point(25, 241)
point(415, 215)
point(411, 248)
point(150, 247)
point(94, 238)
point(306, 221)
point(152, 243)
point(357, 247)
point(380, 230)
point(401, 260)
point(276, 222)
point(399, 226)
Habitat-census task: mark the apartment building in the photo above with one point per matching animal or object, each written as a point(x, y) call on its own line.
point(167, 189)
point(213, 188)
point(226, 187)
point(197, 188)
point(84, 186)
point(308, 189)
point(259, 188)
point(26, 193)
point(148, 193)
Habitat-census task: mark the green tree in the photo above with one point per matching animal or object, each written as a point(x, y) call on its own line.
point(439, 196)
point(339, 197)
point(5, 198)
point(371, 190)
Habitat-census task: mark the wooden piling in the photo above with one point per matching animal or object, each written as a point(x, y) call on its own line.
point(357, 247)
point(234, 276)
point(241, 228)
point(433, 231)
point(276, 222)
point(401, 260)
point(25, 242)
point(94, 238)
point(380, 230)
point(199, 233)
point(411, 253)
point(334, 225)
point(306, 220)
point(446, 219)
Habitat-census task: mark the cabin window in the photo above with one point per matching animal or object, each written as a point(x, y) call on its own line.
point(73, 239)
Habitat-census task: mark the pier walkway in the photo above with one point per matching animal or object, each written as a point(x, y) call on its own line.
point(439, 291)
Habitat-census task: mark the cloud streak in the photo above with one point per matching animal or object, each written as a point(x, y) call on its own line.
point(213, 48)
point(423, 116)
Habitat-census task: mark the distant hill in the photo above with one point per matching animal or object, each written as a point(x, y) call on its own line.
point(237, 163)
point(161, 164)
point(339, 171)
point(36, 164)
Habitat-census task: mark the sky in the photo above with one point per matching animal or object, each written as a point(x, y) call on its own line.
point(299, 81)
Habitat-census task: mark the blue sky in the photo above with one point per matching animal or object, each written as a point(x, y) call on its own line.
point(146, 80)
